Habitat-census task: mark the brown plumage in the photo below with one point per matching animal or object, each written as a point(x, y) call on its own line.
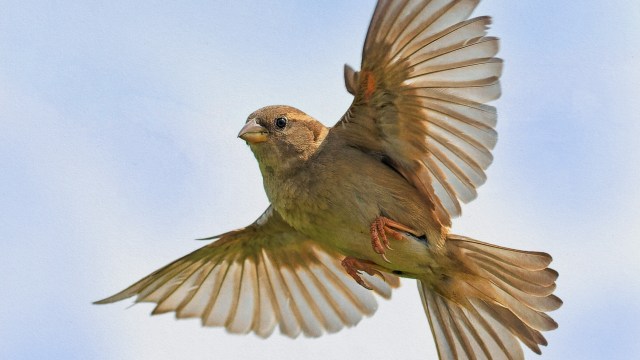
point(377, 192)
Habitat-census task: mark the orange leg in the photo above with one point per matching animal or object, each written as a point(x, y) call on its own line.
point(354, 267)
point(379, 229)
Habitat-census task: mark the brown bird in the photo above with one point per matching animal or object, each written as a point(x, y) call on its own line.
point(372, 198)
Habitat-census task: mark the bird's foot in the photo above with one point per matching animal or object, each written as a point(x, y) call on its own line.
point(355, 267)
point(379, 229)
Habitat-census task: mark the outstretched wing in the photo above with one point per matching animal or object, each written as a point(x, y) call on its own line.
point(255, 278)
point(419, 99)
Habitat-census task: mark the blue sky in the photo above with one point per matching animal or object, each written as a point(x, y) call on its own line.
point(118, 146)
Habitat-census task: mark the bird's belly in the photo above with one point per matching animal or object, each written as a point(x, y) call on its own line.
point(408, 256)
point(349, 232)
point(340, 216)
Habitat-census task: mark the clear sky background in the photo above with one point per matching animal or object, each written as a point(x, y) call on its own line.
point(118, 124)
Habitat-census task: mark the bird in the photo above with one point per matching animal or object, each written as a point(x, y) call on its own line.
point(356, 206)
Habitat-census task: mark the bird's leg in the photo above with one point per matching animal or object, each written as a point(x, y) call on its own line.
point(379, 229)
point(354, 267)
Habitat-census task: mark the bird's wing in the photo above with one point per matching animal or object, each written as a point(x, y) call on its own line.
point(420, 97)
point(255, 278)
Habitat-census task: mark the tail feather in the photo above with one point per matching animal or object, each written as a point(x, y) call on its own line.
point(529, 336)
point(539, 282)
point(467, 332)
point(499, 297)
point(530, 260)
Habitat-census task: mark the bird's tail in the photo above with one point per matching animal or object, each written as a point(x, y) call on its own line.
point(499, 296)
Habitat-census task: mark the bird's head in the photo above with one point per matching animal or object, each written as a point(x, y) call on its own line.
point(282, 136)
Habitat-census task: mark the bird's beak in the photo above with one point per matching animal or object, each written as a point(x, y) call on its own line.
point(253, 133)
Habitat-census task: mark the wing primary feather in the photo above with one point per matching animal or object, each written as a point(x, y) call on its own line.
point(415, 13)
point(457, 172)
point(442, 180)
point(327, 293)
point(164, 304)
point(255, 325)
point(159, 278)
point(317, 313)
point(288, 323)
point(185, 276)
point(486, 72)
point(291, 288)
point(478, 70)
point(216, 291)
point(390, 20)
point(236, 301)
point(464, 119)
point(419, 31)
point(241, 319)
point(435, 96)
point(308, 323)
point(291, 304)
point(196, 306)
point(433, 26)
point(273, 301)
point(146, 293)
point(198, 286)
point(340, 284)
point(453, 148)
point(433, 118)
point(484, 20)
point(381, 9)
point(221, 310)
point(443, 124)
point(466, 158)
point(483, 157)
point(475, 52)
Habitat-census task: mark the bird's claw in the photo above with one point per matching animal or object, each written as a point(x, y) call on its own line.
point(354, 268)
point(382, 226)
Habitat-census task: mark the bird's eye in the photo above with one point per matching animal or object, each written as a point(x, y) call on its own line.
point(281, 122)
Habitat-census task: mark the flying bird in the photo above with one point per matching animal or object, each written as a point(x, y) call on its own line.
point(355, 206)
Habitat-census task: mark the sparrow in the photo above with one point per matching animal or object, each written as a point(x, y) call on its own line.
point(355, 206)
